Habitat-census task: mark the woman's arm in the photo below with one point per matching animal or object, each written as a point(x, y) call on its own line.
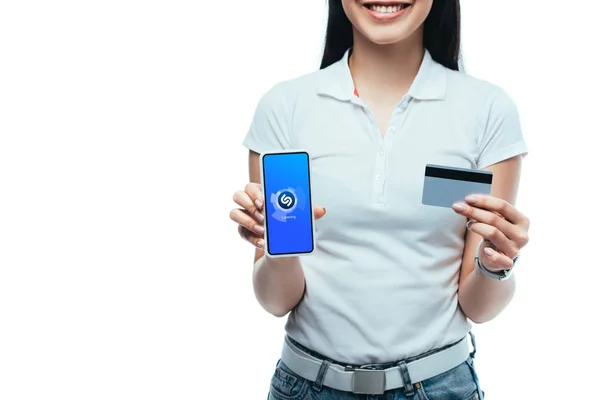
point(480, 297)
point(278, 283)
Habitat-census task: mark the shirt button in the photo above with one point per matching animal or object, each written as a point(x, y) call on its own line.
point(392, 129)
point(377, 177)
point(381, 153)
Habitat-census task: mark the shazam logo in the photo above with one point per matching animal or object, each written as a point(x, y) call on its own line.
point(285, 201)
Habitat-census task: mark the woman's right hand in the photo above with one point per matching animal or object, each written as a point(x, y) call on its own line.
point(250, 217)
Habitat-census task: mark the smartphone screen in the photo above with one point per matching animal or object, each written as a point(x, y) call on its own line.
point(288, 204)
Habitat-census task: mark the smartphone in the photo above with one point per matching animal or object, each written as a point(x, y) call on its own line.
point(289, 220)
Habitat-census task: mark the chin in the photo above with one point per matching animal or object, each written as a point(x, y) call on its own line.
point(386, 38)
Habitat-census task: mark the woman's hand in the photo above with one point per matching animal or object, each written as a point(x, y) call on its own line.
point(503, 228)
point(250, 217)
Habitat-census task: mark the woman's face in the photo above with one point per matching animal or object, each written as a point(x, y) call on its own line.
point(387, 21)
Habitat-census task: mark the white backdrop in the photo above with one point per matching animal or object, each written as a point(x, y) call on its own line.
point(121, 123)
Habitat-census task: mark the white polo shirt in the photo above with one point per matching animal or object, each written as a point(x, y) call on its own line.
point(382, 284)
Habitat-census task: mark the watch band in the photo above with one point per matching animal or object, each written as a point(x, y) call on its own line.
point(501, 275)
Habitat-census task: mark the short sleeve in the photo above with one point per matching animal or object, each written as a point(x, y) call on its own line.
point(502, 138)
point(269, 129)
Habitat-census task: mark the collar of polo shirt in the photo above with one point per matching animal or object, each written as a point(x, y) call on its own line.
point(429, 84)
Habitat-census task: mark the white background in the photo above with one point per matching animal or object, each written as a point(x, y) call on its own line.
point(121, 123)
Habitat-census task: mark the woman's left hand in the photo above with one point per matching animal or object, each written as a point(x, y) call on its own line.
point(503, 228)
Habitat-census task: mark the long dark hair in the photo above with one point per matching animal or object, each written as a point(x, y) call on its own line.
point(441, 33)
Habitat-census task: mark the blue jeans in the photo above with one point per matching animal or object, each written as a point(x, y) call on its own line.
point(459, 383)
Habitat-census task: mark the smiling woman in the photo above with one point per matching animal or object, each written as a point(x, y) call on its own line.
point(384, 304)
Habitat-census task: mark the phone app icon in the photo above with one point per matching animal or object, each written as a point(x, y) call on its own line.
point(285, 201)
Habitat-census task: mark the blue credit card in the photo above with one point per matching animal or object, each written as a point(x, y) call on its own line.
point(446, 185)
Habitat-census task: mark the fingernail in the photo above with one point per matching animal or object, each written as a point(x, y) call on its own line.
point(470, 199)
point(458, 207)
point(259, 229)
point(260, 244)
point(259, 217)
point(258, 203)
point(488, 251)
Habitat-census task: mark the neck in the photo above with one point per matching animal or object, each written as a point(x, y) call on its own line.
point(385, 71)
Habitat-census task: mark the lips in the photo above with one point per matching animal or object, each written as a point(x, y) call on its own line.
point(386, 7)
point(386, 10)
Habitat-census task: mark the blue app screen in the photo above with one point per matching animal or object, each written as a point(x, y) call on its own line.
point(288, 207)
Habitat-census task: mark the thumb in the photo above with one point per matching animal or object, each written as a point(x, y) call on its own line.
point(319, 212)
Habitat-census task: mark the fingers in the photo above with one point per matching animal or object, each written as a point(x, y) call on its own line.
point(242, 218)
point(253, 238)
point(492, 218)
point(248, 200)
point(319, 212)
point(254, 191)
point(496, 237)
point(250, 217)
point(496, 261)
point(498, 205)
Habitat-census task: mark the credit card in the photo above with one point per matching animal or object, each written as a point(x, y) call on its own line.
point(444, 185)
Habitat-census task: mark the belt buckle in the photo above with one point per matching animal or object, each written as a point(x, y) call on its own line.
point(368, 381)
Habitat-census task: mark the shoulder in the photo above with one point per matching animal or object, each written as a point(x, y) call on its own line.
point(476, 92)
point(284, 95)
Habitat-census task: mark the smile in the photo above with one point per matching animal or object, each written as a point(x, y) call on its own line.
point(386, 11)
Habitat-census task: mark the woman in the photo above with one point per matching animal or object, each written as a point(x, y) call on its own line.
point(383, 307)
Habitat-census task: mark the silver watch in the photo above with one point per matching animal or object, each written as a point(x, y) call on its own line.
point(501, 275)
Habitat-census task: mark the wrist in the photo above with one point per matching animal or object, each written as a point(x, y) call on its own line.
point(279, 262)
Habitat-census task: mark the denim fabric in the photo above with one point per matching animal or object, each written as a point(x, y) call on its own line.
point(459, 383)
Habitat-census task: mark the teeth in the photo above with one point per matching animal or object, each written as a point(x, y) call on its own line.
point(386, 9)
